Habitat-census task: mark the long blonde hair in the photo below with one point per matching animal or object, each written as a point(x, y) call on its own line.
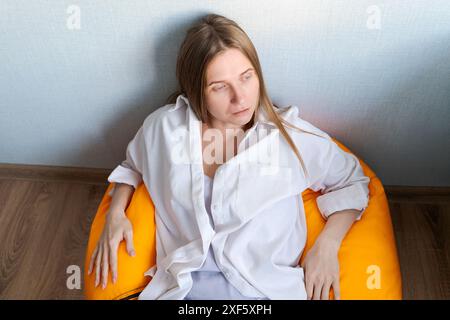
point(212, 35)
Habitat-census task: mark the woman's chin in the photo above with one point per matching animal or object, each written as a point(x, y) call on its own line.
point(241, 122)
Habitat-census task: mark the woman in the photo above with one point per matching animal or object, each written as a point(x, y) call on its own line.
point(227, 186)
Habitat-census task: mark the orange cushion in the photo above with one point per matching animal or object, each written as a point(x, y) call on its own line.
point(369, 267)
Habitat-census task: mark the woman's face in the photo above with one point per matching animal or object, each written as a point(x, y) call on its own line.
point(232, 89)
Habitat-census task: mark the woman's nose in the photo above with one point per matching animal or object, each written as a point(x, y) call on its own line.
point(238, 96)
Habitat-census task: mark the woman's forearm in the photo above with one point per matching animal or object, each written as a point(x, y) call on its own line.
point(337, 226)
point(121, 198)
point(321, 263)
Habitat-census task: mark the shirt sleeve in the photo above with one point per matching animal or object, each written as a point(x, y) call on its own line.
point(130, 170)
point(343, 184)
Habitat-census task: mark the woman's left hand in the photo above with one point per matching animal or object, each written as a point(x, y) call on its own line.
point(321, 268)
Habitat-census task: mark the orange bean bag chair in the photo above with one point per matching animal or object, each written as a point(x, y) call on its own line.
point(369, 267)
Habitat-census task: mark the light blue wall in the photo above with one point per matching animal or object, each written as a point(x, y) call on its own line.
point(76, 97)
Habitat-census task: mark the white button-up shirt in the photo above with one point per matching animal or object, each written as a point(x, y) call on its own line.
point(256, 203)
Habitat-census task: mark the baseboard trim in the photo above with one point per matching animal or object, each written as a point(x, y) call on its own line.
point(100, 176)
point(54, 173)
point(417, 190)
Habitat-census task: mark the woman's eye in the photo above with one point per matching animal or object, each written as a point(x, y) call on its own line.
point(248, 76)
point(219, 88)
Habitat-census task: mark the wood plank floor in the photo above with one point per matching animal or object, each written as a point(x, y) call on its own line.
point(44, 228)
point(45, 222)
point(422, 231)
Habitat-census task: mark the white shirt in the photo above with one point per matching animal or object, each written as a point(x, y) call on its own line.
point(209, 283)
point(256, 203)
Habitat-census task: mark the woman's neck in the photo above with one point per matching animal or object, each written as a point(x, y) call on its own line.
point(228, 142)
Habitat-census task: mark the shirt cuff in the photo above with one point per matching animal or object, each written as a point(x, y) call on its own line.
point(122, 174)
point(355, 196)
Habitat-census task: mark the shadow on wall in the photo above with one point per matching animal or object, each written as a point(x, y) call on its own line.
point(407, 110)
point(128, 119)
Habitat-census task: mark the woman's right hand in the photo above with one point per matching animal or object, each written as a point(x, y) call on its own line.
point(117, 228)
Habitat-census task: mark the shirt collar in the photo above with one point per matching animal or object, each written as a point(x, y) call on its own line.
point(195, 146)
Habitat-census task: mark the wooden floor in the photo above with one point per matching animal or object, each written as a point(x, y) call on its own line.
point(422, 231)
point(45, 218)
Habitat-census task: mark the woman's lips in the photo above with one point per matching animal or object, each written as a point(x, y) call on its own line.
point(240, 113)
